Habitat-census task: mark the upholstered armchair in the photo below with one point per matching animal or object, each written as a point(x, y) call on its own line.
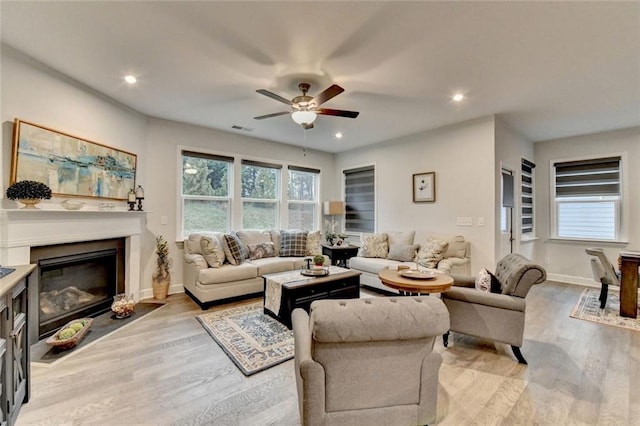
point(494, 316)
point(368, 361)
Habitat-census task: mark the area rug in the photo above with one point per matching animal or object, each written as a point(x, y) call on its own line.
point(588, 308)
point(254, 341)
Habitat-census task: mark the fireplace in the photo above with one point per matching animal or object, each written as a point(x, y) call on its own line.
point(73, 281)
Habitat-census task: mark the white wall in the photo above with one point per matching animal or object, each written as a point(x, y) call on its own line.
point(510, 149)
point(567, 261)
point(462, 155)
point(166, 138)
point(34, 92)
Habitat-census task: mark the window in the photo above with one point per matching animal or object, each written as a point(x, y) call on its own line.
point(360, 194)
point(260, 195)
point(527, 195)
point(587, 198)
point(206, 200)
point(302, 198)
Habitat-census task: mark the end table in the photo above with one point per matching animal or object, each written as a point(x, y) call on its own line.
point(340, 254)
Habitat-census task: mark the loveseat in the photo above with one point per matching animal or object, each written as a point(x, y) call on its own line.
point(446, 253)
point(219, 266)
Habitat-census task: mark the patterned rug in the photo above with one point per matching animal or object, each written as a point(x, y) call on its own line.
point(588, 308)
point(254, 341)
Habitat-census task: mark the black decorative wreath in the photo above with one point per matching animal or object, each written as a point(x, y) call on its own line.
point(28, 189)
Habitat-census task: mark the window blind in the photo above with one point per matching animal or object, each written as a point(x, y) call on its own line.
point(360, 199)
point(526, 194)
point(588, 178)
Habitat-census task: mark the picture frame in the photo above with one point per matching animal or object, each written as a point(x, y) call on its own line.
point(424, 187)
point(70, 165)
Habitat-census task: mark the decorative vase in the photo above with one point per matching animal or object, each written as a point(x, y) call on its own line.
point(160, 288)
point(29, 203)
point(123, 305)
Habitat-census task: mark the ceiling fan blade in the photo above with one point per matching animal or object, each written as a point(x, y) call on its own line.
point(274, 96)
point(275, 114)
point(329, 93)
point(337, 112)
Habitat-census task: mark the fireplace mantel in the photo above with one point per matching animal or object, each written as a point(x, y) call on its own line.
point(21, 229)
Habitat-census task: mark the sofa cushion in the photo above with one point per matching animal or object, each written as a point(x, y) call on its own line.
point(227, 273)
point(404, 253)
point(374, 245)
point(235, 251)
point(258, 251)
point(271, 265)
point(212, 250)
point(487, 282)
point(431, 252)
point(313, 243)
point(293, 243)
point(371, 265)
point(400, 238)
point(249, 236)
point(457, 247)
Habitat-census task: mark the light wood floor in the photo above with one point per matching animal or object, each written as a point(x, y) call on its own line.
point(165, 370)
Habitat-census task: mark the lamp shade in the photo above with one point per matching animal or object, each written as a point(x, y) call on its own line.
point(303, 117)
point(334, 207)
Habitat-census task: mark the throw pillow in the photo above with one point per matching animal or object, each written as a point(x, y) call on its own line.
point(431, 253)
point(235, 251)
point(213, 251)
point(274, 235)
point(375, 245)
point(258, 251)
point(487, 282)
point(313, 243)
point(252, 237)
point(293, 243)
point(402, 253)
point(400, 238)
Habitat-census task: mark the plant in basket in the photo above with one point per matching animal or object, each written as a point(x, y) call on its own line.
point(161, 278)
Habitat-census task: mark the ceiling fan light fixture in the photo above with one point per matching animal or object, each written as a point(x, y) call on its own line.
point(304, 117)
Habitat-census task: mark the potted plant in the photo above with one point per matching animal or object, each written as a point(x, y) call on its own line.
point(318, 260)
point(161, 278)
point(330, 237)
point(29, 193)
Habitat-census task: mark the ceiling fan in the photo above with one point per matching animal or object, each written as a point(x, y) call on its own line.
point(304, 109)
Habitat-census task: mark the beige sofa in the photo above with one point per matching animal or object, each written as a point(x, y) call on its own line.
point(210, 277)
point(450, 254)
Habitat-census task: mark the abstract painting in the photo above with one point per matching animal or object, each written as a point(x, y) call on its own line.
point(70, 165)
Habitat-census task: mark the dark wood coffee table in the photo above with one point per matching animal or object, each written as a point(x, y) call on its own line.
point(298, 291)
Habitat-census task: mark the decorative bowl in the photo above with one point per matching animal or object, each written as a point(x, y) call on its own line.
point(72, 205)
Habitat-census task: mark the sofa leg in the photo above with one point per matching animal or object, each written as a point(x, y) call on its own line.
point(518, 354)
point(445, 339)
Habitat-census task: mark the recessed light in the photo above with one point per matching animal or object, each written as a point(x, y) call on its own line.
point(458, 97)
point(339, 135)
point(130, 79)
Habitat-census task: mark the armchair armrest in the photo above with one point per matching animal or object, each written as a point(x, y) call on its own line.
point(198, 260)
point(471, 295)
point(464, 281)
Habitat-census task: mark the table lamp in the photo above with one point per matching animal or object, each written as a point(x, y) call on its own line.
point(334, 208)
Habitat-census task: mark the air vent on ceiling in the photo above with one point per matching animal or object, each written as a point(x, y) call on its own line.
point(244, 129)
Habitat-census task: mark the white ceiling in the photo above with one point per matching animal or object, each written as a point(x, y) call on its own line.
point(549, 69)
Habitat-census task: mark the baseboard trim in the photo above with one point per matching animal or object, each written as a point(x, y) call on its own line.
point(147, 293)
point(570, 279)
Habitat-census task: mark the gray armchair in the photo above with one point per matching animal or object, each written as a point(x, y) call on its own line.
point(368, 361)
point(496, 317)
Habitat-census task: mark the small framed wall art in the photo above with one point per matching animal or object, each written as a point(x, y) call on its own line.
point(424, 187)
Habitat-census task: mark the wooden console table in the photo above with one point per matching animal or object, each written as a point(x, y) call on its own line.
point(14, 342)
point(629, 284)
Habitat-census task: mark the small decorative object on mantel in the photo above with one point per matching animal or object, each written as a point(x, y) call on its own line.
point(131, 199)
point(123, 305)
point(29, 193)
point(139, 197)
point(161, 278)
point(72, 205)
